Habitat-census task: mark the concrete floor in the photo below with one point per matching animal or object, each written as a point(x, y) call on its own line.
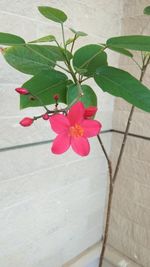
point(89, 259)
point(95, 264)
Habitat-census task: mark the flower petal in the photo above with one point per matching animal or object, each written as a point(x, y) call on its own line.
point(59, 123)
point(61, 144)
point(80, 146)
point(91, 127)
point(76, 113)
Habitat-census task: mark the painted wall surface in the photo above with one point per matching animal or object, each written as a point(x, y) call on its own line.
point(130, 223)
point(51, 207)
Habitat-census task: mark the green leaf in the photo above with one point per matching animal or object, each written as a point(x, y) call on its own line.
point(133, 42)
point(44, 86)
point(10, 39)
point(78, 33)
point(89, 98)
point(48, 38)
point(89, 58)
point(121, 51)
point(69, 41)
point(28, 59)
point(147, 10)
point(122, 84)
point(53, 14)
point(50, 52)
point(32, 59)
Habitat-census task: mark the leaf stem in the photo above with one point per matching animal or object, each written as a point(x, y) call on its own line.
point(136, 63)
point(72, 46)
point(63, 35)
point(36, 97)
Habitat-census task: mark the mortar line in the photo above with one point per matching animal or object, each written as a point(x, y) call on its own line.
point(4, 149)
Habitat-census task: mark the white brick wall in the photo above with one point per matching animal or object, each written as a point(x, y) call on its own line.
point(51, 207)
point(130, 222)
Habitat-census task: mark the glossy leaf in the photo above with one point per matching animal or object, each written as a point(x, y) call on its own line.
point(10, 39)
point(48, 38)
point(32, 59)
point(89, 98)
point(122, 84)
point(28, 60)
point(50, 51)
point(53, 14)
point(132, 42)
point(44, 86)
point(88, 58)
point(147, 10)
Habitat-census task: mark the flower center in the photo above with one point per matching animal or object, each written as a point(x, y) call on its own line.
point(76, 131)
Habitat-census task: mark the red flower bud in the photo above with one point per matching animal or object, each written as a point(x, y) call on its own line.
point(45, 116)
point(56, 97)
point(90, 112)
point(22, 91)
point(26, 122)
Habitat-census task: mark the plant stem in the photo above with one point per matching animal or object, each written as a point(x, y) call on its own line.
point(123, 143)
point(107, 157)
point(74, 39)
point(143, 69)
point(109, 201)
point(63, 35)
point(108, 214)
point(114, 177)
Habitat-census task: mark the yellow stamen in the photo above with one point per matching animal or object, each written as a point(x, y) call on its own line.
point(76, 131)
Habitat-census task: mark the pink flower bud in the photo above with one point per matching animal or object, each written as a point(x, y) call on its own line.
point(22, 91)
point(26, 122)
point(45, 116)
point(56, 97)
point(90, 112)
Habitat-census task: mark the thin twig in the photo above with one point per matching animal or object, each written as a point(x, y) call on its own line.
point(74, 39)
point(107, 157)
point(128, 126)
point(114, 177)
point(109, 201)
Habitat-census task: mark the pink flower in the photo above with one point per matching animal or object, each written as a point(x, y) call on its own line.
point(73, 130)
point(22, 91)
point(26, 122)
point(90, 112)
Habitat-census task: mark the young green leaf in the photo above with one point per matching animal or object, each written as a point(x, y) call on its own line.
point(147, 10)
point(10, 39)
point(89, 98)
point(133, 42)
point(78, 33)
point(122, 84)
point(48, 38)
point(44, 85)
point(89, 58)
point(53, 14)
point(76, 36)
point(69, 41)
